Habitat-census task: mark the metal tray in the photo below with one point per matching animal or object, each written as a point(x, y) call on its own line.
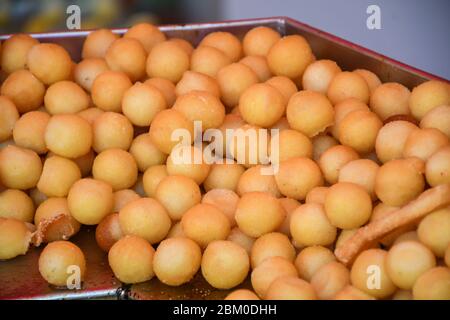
point(20, 278)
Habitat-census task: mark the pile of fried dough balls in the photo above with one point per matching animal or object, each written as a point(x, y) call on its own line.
point(90, 143)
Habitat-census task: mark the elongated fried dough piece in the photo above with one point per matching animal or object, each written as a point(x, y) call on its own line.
point(427, 202)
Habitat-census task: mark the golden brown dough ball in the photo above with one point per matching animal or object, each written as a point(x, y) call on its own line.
point(348, 85)
point(146, 218)
point(371, 78)
point(351, 293)
point(87, 70)
point(131, 259)
point(108, 89)
point(240, 238)
point(433, 285)
point(58, 176)
point(427, 96)
point(123, 197)
point(309, 112)
point(423, 143)
point(342, 109)
point(127, 55)
point(258, 41)
point(167, 60)
point(8, 117)
point(15, 238)
point(438, 118)
point(29, 131)
point(437, 168)
point(15, 51)
point(311, 259)
point(283, 84)
point(56, 260)
point(391, 140)
point(258, 213)
point(297, 176)
point(201, 106)
point(65, 97)
point(108, 232)
point(166, 87)
point(24, 89)
point(310, 226)
point(147, 34)
point(254, 180)
point(390, 99)
point(176, 261)
point(433, 231)
point(289, 205)
point(290, 288)
point(224, 176)
point(90, 114)
point(330, 279)
point(112, 130)
point(16, 204)
point(368, 274)
point(292, 144)
point(321, 143)
point(332, 160)
point(163, 126)
point(272, 244)
point(259, 66)
point(268, 271)
point(19, 168)
point(348, 205)
point(97, 43)
point(233, 80)
point(68, 135)
point(208, 60)
point(90, 200)
point(317, 195)
point(145, 152)
point(290, 56)
point(49, 62)
point(188, 161)
point(151, 179)
point(359, 130)
point(225, 42)
point(183, 44)
point(224, 200)
point(242, 294)
point(177, 194)
point(318, 75)
point(196, 81)
point(361, 172)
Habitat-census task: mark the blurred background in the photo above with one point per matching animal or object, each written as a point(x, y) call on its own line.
point(415, 32)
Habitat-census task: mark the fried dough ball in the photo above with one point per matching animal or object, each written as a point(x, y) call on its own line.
point(433, 285)
point(242, 294)
point(201, 106)
point(289, 205)
point(224, 176)
point(390, 99)
point(15, 238)
point(283, 84)
point(225, 42)
point(56, 261)
point(292, 144)
point(127, 55)
point(108, 232)
point(359, 130)
point(230, 124)
point(112, 130)
point(254, 180)
point(437, 169)
point(183, 44)
point(145, 152)
point(146, 218)
point(348, 85)
point(196, 81)
point(369, 274)
point(131, 259)
point(87, 70)
point(204, 223)
point(321, 143)
point(427, 96)
point(167, 60)
point(391, 139)
point(166, 87)
point(177, 194)
point(297, 176)
point(361, 172)
point(344, 108)
point(332, 160)
point(108, 90)
point(290, 288)
point(19, 168)
point(16, 204)
point(90, 200)
point(147, 34)
point(49, 62)
point(400, 181)
point(330, 279)
point(272, 244)
point(29, 131)
point(58, 176)
point(163, 126)
point(15, 51)
point(352, 293)
point(318, 75)
point(151, 179)
point(317, 195)
point(423, 143)
point(188, 161)
point(123, 197)
point(438, 118)
point(224, 200)
point(259, 66)
point(8, 117)
point(309, 112)
point(208, 60)
point(258, 41)
point(406, 261)
point(90, 114)
point(97, 43)
point(65, 97)
point(311, 259)
point(240, 238)
point(233, 80)
point(433, 231)
point(371, 78)
point(249, 145)
point(268, 271)
point(24, 89)
point(177, 260)
point(258, 213)
point(290, 56)
point(348, 205)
